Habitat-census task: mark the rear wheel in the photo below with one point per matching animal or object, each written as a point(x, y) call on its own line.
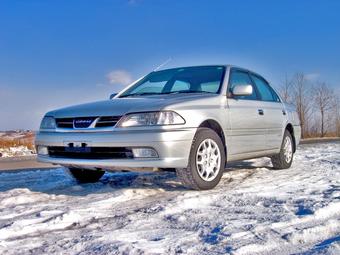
point(206, 161)
point(85, 175)
point(284, 159)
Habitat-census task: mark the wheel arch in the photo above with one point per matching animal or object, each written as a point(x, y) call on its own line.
point(214, 125)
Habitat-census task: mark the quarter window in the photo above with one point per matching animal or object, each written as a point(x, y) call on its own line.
point(241, 78)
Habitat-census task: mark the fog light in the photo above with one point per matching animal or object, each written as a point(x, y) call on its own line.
point(144, 153)
point(42, 150)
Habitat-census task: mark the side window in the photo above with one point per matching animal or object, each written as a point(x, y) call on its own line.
point(180, 85)
point(276, 97)
point(241, 78)
point(264, 89)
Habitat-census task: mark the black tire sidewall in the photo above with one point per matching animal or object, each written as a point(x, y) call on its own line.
point(287, 164)
point(200, 136)
point(279, 162)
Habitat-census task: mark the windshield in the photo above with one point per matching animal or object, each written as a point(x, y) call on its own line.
point(203, 79)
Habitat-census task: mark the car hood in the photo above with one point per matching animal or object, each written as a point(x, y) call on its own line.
point(121, 106)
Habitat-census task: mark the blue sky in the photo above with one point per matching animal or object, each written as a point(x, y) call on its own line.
point(57, 53)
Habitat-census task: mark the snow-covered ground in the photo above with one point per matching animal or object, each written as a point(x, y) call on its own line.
point(16, 143)
point(15, 152)
point(254, 210)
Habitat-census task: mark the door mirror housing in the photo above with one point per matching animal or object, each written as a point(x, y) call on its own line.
point(242, 90)
point(113, 95)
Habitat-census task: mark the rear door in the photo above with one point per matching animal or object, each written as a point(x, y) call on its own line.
point(273, 112)
point(247, 133)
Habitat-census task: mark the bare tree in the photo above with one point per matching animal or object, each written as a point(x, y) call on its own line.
point(286, 89)
point(337, 115)
point(323, 97)
point(318, 107)
point(302, 99)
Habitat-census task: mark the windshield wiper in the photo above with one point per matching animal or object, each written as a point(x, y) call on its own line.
point(187, 91)
point(166, 93)
point(141, 94)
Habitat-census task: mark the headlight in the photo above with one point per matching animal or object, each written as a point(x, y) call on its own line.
point(48, 123)
point(151, 119)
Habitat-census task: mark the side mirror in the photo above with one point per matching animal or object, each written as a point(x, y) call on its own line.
point(242, 90)
point(113, 95)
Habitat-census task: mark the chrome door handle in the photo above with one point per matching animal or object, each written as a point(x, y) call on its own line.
point(261, 112)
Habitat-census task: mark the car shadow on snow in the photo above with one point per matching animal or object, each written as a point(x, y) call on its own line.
point(57, 181)
point(247, 165)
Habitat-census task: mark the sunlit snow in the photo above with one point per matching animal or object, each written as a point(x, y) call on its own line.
point(254, 210)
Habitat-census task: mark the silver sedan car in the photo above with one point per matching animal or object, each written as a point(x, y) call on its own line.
point(190, 119)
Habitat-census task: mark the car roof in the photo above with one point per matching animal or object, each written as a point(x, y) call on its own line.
point(178, 67)
point(210, 65)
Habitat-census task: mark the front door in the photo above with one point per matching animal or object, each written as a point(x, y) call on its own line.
point(247, 125)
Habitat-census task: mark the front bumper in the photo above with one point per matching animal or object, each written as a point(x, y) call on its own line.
point(173, 148)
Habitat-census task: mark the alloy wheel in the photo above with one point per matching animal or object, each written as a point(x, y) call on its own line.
point(287, 149)
point(208, 159)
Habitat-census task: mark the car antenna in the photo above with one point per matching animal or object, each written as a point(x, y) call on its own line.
point(163, 64)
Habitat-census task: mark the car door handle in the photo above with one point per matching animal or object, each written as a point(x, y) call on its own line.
point(284, 112)
point(261, 112)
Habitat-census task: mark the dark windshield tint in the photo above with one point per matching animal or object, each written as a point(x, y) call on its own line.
point(204, 79)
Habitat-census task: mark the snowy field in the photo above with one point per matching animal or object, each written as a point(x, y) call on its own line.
point(15, 152)
point(254, 210)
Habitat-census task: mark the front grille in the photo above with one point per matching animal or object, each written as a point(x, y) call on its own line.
point(64, 123)
point(85, 122)
point(108, 121)
point(90, 152)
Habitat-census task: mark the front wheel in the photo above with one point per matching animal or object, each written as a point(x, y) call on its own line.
point(284, 159)
point(85, 175)
point(206, 161)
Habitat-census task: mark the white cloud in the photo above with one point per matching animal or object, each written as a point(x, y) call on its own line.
point(312, 76)
point(119, 77)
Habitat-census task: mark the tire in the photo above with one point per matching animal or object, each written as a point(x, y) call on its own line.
point(85, 176)
point(283, 160)
point(200, 174)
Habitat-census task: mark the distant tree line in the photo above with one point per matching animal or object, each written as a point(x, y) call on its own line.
point(26, 139)
point(317, 104)
point(5, 143)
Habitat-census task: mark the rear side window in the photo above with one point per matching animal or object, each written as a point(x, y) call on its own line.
point(266, 92)
point(276, 97)
point(241, 78)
